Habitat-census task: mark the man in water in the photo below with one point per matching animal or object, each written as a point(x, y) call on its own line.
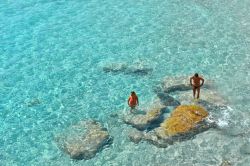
point(196, 82)
point(133, 101)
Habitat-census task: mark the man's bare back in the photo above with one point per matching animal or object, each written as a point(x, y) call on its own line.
point(196, 82)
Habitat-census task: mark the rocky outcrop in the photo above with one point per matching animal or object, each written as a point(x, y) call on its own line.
point(84, 140)
point(142, 122)
point(185, 122)
point(188, 119)
point(117, 68)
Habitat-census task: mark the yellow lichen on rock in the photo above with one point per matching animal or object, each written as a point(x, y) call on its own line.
point(183, 119)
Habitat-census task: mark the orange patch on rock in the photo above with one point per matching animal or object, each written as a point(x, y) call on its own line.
point(183, 119)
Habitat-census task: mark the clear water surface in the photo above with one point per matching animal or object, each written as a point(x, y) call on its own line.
point(51, 59)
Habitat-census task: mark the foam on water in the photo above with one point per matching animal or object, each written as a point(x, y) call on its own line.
point(223, 121)
point(52, 55)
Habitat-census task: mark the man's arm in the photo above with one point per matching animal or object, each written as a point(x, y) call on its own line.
point(202, 81)
point(128, 100)
point(137, 101)
point(191, 81)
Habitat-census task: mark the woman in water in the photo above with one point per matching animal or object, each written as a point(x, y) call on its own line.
point(133, 101)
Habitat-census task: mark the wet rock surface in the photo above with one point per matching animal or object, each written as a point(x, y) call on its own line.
point(143, 121)
point(84, 140)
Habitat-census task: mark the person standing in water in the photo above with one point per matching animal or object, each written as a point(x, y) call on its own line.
point(133, 101)
point(196, 82)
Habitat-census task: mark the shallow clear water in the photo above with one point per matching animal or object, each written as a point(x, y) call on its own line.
point(51, 59)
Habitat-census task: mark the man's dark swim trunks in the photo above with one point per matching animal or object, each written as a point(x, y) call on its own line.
point(195, 87)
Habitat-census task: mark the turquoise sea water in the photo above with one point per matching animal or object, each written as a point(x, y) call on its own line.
point(51, 59)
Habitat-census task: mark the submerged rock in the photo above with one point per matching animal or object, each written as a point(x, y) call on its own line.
point(235, 131)
point(135, 136)
point(141, 121)
point(139, 71)
point(225, 163)
point(167, 100)
point(207, 97)
point(181, 83)
point(84, 140)
point(33, 102)
point(245, 148)
point(117, 68)
point(138, 136)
